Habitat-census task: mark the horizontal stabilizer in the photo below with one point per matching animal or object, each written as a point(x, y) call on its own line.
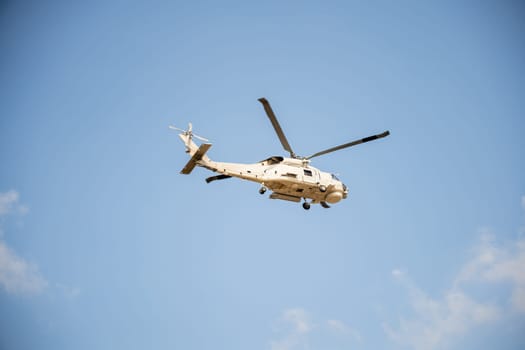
point(218, 177)
point(195, 158)
point(285, 197)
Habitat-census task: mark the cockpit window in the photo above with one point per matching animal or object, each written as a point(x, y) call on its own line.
point(335, 177)
point(307, 172)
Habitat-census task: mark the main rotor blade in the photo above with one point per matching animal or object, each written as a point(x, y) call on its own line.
point(350, 144)
point(276, 126)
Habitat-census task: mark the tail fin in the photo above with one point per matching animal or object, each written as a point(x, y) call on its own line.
point(191, 147)
point(198, 154)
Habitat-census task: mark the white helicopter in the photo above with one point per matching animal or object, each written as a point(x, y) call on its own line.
point(289, 178)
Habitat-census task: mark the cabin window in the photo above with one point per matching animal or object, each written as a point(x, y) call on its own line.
point(307, 172)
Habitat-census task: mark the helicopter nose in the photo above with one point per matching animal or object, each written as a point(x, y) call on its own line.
point(345, 191)
point(334, 196)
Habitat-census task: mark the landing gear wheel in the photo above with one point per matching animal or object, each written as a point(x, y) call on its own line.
point(322, 188)
point(306, 205)
point(262, 190)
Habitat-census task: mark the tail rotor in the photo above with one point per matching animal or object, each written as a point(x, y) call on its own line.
point(189, 133)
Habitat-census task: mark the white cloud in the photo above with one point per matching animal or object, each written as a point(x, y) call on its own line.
point(299, 319)
point(68, 291)
point(455, 312)
point(397, 273)
point(291, 341)
point(18, 276)
point(494, 263)
point(296, 328)
point(296, 325)
point(437, 319)
point(337, 326)
point(9, 203)
point(343, 329)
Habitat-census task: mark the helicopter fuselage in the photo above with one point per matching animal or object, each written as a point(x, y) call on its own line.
point(289, 179)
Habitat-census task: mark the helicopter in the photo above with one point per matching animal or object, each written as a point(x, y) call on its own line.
point(289, 178)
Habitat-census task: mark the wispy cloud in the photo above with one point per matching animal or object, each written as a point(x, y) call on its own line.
point(17, 276)
point(9, 203)
point(299, 319)
point(343, 329)
point(297, 327)
point(69, 292)
point(493, 263)
point(456, 312)
point(437, 319)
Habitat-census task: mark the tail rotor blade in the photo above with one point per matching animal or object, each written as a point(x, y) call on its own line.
point(189, 132)
point(200, 138)
point(174, 128)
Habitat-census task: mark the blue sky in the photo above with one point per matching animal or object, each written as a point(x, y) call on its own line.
point(103, 244)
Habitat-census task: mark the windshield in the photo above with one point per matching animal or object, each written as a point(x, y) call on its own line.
point(335, 177)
